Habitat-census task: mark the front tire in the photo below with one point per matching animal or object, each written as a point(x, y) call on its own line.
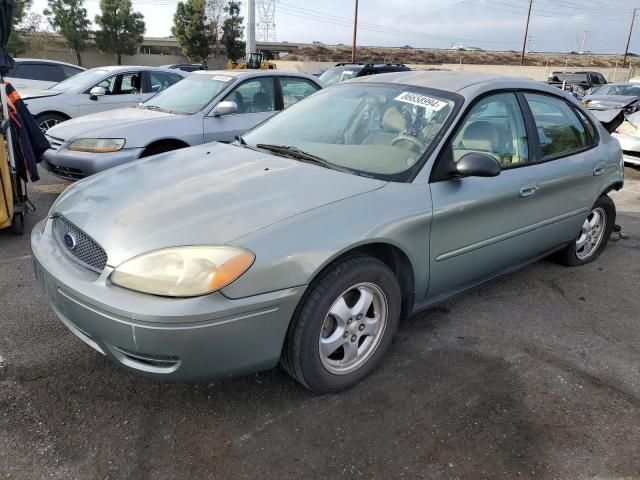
point(49, 120)
point(344, 325)
point(593, 237)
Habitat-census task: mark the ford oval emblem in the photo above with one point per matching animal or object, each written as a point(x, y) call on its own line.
point(69, 241)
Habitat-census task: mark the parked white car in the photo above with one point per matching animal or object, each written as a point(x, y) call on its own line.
point(97, 90)
point(36, 73)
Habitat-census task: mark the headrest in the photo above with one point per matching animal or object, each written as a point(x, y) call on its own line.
point(393, 120)
point(481, 136)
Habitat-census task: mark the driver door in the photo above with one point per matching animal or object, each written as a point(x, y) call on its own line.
point(122, 90)
point(256, 100)
point(481, 226)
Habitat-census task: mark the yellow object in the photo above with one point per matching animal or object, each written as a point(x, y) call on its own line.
point(6, 193)
point(255, 61)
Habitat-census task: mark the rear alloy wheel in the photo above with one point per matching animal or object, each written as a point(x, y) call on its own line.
point(49, 120)
point(344, 325)
point(593, 236)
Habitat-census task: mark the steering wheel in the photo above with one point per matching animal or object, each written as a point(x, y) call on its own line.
point(415, 144)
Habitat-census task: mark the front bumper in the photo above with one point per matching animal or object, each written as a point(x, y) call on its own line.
point(205, 337)
point(630, 147)
point(72, 165)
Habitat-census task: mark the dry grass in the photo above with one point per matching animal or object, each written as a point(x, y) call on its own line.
point(323, 53)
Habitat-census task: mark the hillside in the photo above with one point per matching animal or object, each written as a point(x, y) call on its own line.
point(322, 53)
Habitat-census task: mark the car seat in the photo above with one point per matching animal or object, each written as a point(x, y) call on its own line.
point(261, 102)
point(135, 84)
point(393, 123)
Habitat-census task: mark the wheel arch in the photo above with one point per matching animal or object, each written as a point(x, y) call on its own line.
point(614, 186)
point(169, 141)
point(393, 256)
point(53, 112)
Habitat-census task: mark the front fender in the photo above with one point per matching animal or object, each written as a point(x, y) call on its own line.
point(293, 251)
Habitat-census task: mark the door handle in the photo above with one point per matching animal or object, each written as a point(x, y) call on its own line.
point(599, 168)
point(529, 190)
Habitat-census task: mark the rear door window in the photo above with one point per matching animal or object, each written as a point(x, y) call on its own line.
point(39, 71)
point(159, 81)
point(560, 131)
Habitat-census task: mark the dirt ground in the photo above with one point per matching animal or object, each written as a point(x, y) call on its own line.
point(535, 375)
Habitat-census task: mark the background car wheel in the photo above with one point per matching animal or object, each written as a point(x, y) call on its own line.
point(593, 236)
point(48, 120)
point(344, 325)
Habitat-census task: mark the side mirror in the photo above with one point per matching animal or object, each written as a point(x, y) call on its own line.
point(96, 92)
point(225, 108)
point(475, 164)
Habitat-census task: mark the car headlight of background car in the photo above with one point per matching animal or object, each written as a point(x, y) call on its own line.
point(183, 271)
point(97, 145)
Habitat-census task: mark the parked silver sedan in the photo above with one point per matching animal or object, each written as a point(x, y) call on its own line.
point(97, 90)
point(208, 106)
point(306, 241)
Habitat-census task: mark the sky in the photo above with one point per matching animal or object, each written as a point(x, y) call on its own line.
point(556, 25)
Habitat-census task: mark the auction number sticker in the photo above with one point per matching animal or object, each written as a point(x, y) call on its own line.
point(221, 78)
point(425, 101)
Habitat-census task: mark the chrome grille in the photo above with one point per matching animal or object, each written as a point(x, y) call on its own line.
point(82, 248)
point(55, 143)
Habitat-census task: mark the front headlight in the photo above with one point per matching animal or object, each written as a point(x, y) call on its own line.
point(183, 271)
point(97, 145)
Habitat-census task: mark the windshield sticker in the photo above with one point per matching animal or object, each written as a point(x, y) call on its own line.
point(429, 103)
point(221, 78)
point(347, 72)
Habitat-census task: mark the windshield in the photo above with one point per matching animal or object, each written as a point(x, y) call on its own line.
point(378, 130)
point(81, 80)
point(629, 90)
point(189, 95)
point(339, 74)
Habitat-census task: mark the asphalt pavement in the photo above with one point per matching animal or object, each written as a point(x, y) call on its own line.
point(534, 375)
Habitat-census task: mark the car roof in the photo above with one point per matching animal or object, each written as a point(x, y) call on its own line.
point(43, 60)
point(254, 73)
point(455, 81)
point(119, 68)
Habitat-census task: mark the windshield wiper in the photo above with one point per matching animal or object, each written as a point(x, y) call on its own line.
point(296, 153)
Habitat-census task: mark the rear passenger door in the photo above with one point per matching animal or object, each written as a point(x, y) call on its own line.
point(567, 188)
point(256, 100)
point(482, 226)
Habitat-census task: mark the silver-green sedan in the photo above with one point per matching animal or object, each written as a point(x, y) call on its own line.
point(305, 242)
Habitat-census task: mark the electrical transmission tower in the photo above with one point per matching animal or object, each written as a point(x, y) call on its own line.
point(266, 27)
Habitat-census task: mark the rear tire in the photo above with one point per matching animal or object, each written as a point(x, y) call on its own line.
point(17, 226)
point(344, 325)
point(593, 237)
point(49, 120)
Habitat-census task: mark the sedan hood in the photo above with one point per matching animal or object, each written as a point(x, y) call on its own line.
point(205, 195)
point(27, 94)
point(607, 102)
point(109, 124)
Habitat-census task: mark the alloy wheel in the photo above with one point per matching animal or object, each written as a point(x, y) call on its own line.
point(353, 328)
point(592, 234)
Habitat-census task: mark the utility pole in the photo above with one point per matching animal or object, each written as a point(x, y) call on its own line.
point(251, 28)
point(584, 40)
point(355, 32)
point(626, 51)
point(526, 33)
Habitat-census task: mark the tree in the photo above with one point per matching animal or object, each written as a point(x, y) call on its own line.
point(191, 31)
point(40, 38)
point(16, 44)
point(121, 28)
point(215, 11)
point(232, 30)
point(69, 19)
